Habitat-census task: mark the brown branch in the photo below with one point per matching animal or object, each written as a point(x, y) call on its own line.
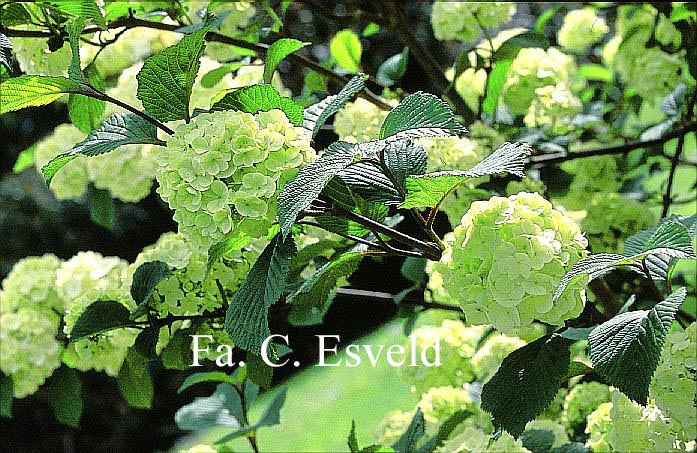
point(668, 195)
point(260, 48)
point(550, 159)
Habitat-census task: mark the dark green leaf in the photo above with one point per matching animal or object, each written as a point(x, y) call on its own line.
point(526, 382)
point(444, 431)
point(414, 269)
point(316, 115)
point(222, 408)
point(166, 79)
point(64, 394)
point(87, 9)
point(75, 27)
point(404, 158)
point(626, 349)
point(537, 440)
point(87, 112)
point(420, 115)
point(134, 380)
point(494, 83)
point(576, 333)
point(102, 209)
point(6, 392)
point(260, 98)
point(309, 182)
point(177, 354)
point(258, 371)
point(416, 430)
point(146, 278)
point(277, 52)
point(318, 290)
point(352, 441)
point(120, 129)
point(15, 14)
point(212, 376)
point(98, 317)
point(6, 58)
point(429, 190)
point(590, 268)
point(32, 91)
point(393, 69)
point(271, 417)
point(572, 447)
point(246, 320)
point(370, 183)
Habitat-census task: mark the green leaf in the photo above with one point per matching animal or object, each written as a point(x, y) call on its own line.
point(319, 290)
point(246, 320)
point(258, 371)
point(177, 354)
point(537, 440)
point(6, 392)
point(146, 278)
point(87, 9)
point(526, 382)
point(120, 129)
point(415, 431)
point(571, 447)
point(393, 69)
point(370, 29)
point(211, 78)
point(298, 193)
point(232, 242)
point(24, 160)
point(277, 52)
point(420, 115)
point(98, 317)
point(370, 183)
point(595, 72)
point(32, 91)
point(270, 417)
point(675, 233)
point(212, 376)
point(15, 14)
point(414, 269)
point(444, 431)
point(345, 47)
point(260, 98)
point(316, 115)
point(626, 349)
point(102, 209)
point(75, 27)
point(64, 394)
point(134, 380)
point(544, 18)
point(87, 112)
point(509, 49)
point(222, 408)
point(576, 333)
point(166, 79)
point(6, 57)
point(405, 158)
point(429, 190)
point(494, 83)
point(352, 441)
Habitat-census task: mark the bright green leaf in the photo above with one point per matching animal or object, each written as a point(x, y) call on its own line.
point(420, 115)
point(87, 112)
point(370, 29)
point(32, 91)
point(24, 160)
point(345, 47)
point(595, 72)
point(494, 83)
point(211, 78)
point(260, 98)
point(277, 52)
point(87, 9)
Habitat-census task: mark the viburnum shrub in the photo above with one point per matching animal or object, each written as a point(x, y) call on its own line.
point(541, 200)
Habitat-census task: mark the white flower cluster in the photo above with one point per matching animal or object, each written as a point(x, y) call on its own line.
point(581, 28)
point(581, 400)
point(359, 121)
point(85, 278)
point(553, 108)
point(505, 259)
point(29, 322)
point(223, 172)
point(464, 20)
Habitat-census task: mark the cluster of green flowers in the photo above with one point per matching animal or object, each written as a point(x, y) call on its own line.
point(505, 259)
point(223, 172)
point(611, 218)
point(581, 400)
point(30, 314)
point(464, 21)
point(592, 175)
point(359, 121)
point(652, 72)
point(83, 279)
point(553, 106)
point(581, 28)
point(236, 16)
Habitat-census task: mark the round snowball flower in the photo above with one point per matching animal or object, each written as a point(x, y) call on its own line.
point(504, 261)
point(581, 28)
point(464, 20)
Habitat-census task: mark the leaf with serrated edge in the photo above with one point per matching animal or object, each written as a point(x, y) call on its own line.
point(6, 58)
point(415, 431)
point(25, 91)
point(626, 349)
point(260, 98)
point(247, 320)
point(146, 278)
point(277, 52)
point(429, 190)
point(166, 79)
point(98, 317)
point(316, 115)
point(526, 382)
point(420, 115)
point(270, 417)
point(120, 129)
point(298, 193)
point(404, 158)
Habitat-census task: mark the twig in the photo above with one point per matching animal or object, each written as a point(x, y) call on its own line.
point(668, 195)
point(377, 295)
point(549, 159)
